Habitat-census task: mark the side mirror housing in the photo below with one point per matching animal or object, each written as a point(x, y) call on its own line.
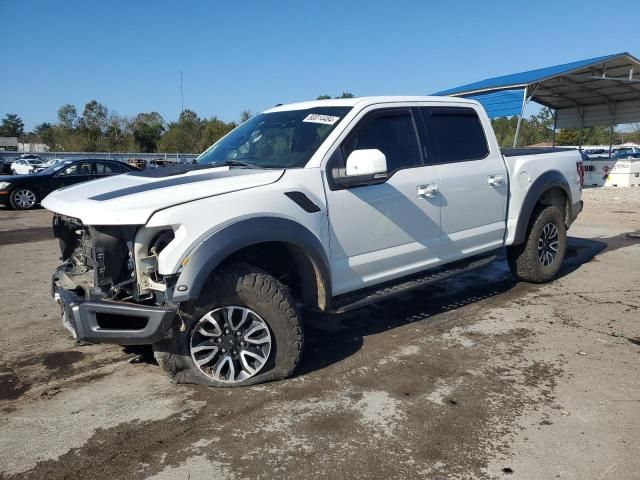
point(364, 167)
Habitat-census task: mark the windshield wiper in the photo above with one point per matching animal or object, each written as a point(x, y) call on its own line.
point(236, 163)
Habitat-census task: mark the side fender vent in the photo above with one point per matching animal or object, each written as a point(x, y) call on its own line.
point(303, 202)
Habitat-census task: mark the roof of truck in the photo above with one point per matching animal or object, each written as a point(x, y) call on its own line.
point(364, 101)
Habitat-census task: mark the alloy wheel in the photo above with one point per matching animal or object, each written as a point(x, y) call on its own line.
point(230, 344)
point(24, 198)
point(548, 244)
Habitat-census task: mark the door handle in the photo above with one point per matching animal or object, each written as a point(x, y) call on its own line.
point(429, 190)
point(495, 180)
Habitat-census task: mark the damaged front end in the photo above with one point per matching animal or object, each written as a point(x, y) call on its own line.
point(108, 285)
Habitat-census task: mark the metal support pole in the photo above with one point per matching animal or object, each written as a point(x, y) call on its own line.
point(612, 109)
point(555, 122)
point(524, 103)
point(581, 110)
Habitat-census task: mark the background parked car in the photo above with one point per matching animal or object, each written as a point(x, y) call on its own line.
point(23, 192)
point(137, 163)
point(29, 156)
point(54, 161)
point(24, 166)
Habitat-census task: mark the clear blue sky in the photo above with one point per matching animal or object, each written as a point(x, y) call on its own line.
point(238, 55)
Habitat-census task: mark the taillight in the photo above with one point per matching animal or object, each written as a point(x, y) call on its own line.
point(580, 168)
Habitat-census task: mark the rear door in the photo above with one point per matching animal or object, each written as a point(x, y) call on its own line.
point(383, 231)
point(473, 181)
point(106, 169)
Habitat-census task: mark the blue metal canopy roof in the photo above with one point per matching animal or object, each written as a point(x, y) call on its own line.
point(597, 91)
point(526, 78)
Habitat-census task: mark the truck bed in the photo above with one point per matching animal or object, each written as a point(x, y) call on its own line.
point(521, 152)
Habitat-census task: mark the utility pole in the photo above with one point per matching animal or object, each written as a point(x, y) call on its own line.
point(181, 94)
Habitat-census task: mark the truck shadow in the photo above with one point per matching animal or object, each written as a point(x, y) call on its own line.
point(332, 338)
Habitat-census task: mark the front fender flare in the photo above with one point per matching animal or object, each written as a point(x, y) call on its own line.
point(220, 245)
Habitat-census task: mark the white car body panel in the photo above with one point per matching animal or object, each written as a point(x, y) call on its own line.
point(470, 231)
point(222, 210)
point(141, 196)
point(524, 170)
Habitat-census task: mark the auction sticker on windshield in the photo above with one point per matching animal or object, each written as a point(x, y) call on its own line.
point(317, 118)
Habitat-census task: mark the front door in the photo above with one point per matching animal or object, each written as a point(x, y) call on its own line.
point(383, 231)
point(473, 181)
point(77, 172)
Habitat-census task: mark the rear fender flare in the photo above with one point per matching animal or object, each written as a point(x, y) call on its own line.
point(543, 183)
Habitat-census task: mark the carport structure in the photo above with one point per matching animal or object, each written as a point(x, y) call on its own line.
point(598, 91)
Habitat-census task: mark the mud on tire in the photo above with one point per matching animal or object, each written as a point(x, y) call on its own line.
point(245, 286)
point(524, 260)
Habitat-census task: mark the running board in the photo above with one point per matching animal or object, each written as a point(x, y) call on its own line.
point(349, 302)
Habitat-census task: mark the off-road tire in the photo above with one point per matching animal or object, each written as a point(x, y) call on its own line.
point(17, 206)
point(250, 287)
point(523, 259)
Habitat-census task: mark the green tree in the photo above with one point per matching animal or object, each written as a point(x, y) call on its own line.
point(12, 126)
point(118, 134)
point(244, 116)
point(213, 131)
point(46, 134)
point(68, 116)
point(147, 130)
point(342, 95)
point(175, 140)
point(93, 125)
point(590, 136)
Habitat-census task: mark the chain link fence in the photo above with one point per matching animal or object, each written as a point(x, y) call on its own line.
point(120, 156)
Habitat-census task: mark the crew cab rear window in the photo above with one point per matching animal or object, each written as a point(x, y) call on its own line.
point(456, 134)
point(393, 133)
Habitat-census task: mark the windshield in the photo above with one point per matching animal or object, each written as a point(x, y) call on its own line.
point(35, 162)
point(277, 139)
point(57, 166)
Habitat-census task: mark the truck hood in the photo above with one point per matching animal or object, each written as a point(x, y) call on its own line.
point(132, 198)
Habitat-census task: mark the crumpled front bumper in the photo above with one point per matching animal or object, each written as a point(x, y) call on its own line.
point(104, 321)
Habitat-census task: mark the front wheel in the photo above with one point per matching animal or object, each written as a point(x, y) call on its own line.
point(245, 329)
point(23, 198)
point(539, 259)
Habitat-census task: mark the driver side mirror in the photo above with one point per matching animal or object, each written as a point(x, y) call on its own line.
point(364, 167)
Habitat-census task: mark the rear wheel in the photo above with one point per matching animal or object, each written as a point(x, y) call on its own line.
point(23, 198)
point(245, 329)
point(539, 259)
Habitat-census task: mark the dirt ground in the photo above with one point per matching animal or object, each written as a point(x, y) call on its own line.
point(477, 377)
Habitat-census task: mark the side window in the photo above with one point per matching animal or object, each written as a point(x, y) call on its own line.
point(80, 168)
point(456, 134)
point(392, 133)
point(106, 168)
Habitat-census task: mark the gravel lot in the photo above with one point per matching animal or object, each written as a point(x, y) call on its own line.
point(477, 377)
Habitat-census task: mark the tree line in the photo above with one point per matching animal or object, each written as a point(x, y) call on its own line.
point(96, 129)
point(539, 129)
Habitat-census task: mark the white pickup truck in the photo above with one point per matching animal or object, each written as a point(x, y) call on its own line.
point(326, 205)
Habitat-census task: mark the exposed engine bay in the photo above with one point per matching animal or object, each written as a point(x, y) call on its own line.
point(105, 262)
